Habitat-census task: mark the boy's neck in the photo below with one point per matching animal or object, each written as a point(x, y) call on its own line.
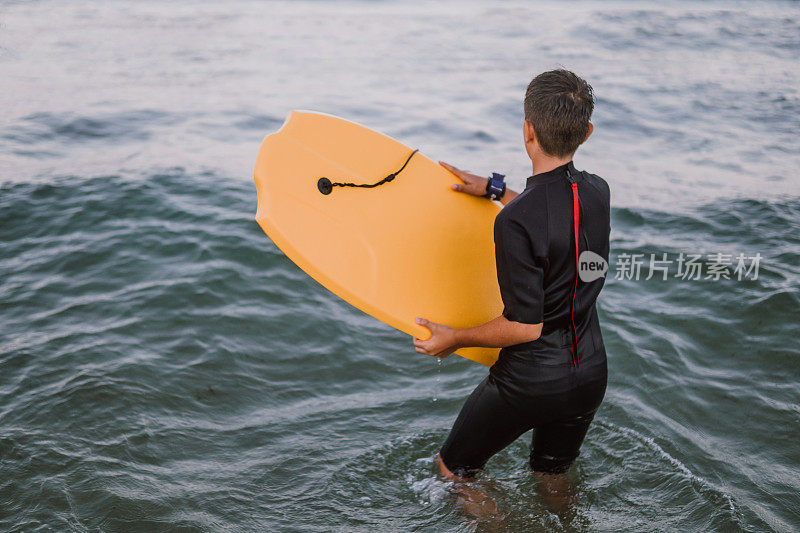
point(545, 163)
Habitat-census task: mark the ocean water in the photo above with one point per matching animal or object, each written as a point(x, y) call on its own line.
point(163, 367)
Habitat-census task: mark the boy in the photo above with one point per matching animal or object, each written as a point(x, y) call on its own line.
point(551, 373)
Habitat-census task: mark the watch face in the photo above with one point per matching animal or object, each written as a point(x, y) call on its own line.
point(495, 187)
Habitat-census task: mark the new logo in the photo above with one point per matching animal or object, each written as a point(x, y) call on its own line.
point(591, 266)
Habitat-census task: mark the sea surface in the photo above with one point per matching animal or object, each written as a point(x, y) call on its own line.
point(164, 367)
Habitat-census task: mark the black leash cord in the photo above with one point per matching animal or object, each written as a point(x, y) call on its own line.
point(325, 185)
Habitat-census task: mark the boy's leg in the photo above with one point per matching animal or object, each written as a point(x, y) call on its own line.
point(554, 448)
point(556, 445)
point(471, 497)
point(485, 425)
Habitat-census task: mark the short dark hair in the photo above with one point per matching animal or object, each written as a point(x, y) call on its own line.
point(559, 105)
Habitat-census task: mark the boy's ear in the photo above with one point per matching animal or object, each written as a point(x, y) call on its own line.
point(528, 132)
point(589, 131)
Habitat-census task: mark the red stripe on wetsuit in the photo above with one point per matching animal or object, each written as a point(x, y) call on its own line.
point(576, 215)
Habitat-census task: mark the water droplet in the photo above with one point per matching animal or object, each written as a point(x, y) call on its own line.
point(438, 379)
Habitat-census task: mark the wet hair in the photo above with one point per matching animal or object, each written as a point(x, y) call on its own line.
point(559, 105)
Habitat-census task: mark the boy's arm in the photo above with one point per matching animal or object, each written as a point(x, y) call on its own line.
point(497, 333)
point(475, 185)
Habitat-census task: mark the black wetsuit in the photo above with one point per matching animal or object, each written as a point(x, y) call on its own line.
point(539, 385)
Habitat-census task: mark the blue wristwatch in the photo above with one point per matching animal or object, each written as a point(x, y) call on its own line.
point(495, 187)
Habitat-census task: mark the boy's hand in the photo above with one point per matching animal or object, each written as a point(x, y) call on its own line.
point(442, 342)
point(474, 185)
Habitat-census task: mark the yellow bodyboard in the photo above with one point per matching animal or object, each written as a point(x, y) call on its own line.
point(409, 247)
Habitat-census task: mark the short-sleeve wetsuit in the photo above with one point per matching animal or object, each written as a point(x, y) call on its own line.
point(538, 384)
